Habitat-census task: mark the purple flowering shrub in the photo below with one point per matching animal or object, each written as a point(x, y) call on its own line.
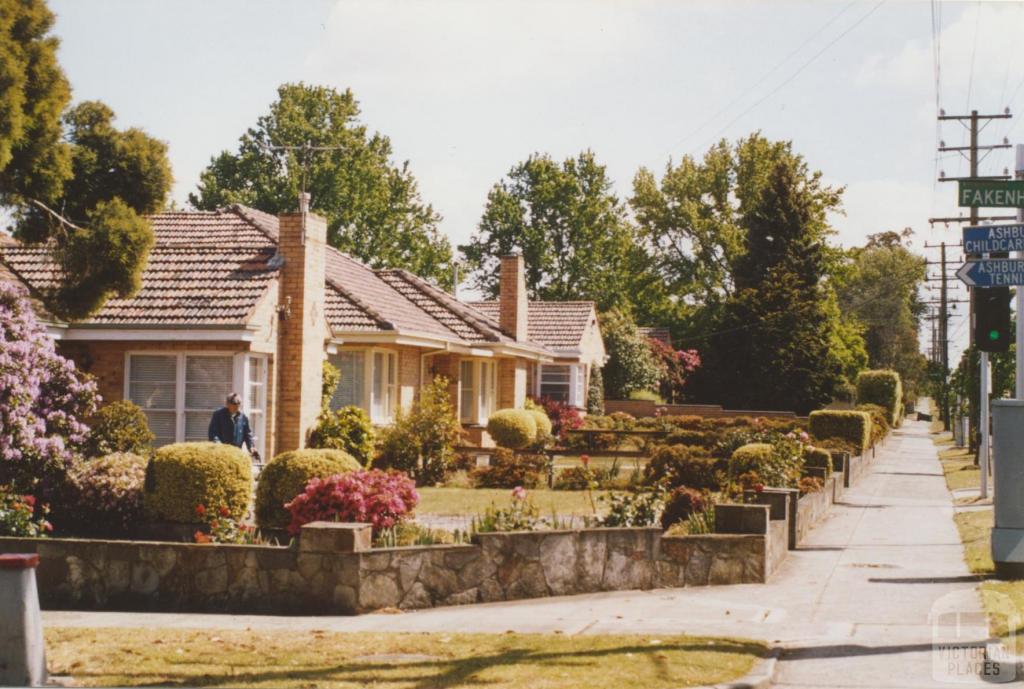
point(43, 397)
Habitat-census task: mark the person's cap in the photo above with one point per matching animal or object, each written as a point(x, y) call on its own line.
point(233, 398)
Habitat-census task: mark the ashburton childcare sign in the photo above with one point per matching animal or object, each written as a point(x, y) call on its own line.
point(992, 194)
point(992, 239)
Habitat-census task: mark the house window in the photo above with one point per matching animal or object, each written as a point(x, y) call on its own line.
point(478, 383)
point(564, 383)
point(179, 392)
point(369, 379)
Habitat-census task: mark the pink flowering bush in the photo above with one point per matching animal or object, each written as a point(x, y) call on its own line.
point(103, 496)
point(381, 498)
point(563, 416)
point(43, 397)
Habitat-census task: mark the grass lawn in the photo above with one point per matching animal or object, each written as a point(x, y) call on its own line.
point(958, 466)
point(473, 501)
point(975, 527)
point(210, 658)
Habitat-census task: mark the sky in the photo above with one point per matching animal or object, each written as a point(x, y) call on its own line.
point(467, 88)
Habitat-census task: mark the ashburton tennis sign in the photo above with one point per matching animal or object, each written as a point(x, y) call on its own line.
point(992, 272)
point(991, 194)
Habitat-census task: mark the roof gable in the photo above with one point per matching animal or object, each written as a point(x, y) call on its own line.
point(560, 325)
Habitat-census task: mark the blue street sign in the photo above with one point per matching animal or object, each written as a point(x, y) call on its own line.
point(992, 272)
point(990, 239)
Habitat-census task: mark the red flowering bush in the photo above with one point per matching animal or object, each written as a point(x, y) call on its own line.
point(18, 515)
point(563, 416)
point(380, 498)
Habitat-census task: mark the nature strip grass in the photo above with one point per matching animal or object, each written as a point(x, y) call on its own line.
point(975, 528)
point(318, 659)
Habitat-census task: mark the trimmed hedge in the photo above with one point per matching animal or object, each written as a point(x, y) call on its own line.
point(119, 427)
point(884, 389)
point(853, 427)
point(183, 475)
point(512, 428)
point(681, 465)
point(818, 457)
point(543, 423)
point(287, 475)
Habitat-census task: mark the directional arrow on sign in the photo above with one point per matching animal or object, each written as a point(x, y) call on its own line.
point(992, 272)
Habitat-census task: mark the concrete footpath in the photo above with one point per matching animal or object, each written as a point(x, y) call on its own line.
point(854, 607)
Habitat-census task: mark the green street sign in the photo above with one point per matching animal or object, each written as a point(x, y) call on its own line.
point(992, 193)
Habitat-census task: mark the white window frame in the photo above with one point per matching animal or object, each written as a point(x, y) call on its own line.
point(240, 362)
point(577, 382)
point(482, 388)
point(390, 385)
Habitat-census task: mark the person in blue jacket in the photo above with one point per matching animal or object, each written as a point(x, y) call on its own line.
point(230, 426)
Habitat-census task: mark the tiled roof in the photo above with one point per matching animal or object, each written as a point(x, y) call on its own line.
point(181, 285)
point(556, 324)
point(212, 268)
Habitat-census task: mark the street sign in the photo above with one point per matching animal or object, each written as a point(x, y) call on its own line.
point(991, 193)
point(992, 272)
point(992, 239)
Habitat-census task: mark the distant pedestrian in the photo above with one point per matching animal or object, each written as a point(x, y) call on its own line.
point(230, 426)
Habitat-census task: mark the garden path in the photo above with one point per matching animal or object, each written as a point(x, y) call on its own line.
point(851, 607)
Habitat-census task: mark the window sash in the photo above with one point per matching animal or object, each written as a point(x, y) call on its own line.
point(369, 380)
point(178, 392)
point(556, 382)
point(466, 396)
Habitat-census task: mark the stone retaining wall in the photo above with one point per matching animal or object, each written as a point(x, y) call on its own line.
point(334, 571)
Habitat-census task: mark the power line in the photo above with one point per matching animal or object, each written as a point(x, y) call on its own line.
point(797, 73)
point(745, 92)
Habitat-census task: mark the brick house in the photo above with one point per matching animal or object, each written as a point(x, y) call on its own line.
point(238, 300)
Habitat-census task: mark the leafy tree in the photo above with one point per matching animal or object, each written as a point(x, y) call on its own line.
point(632, 365)
point(71, 179)
point(774, 344)
point(373, 208)
point(572, 231)
point(880, 290)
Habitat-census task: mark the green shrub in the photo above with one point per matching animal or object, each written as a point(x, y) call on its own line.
point(850, 426)
point(183, 475)
point(595, 391)
point(421, 442)
point(119, 427)
point(879, 421)
point(685, 436)
point(102, 497)
point(681, 503)
point(646, 396)
point(544, 427)
point(287, 475)
point(679, 465)
point(512, 428)
point(508, 470)
point(818, 457)
point(348, 429)
point(884, 389)
point(778, 464)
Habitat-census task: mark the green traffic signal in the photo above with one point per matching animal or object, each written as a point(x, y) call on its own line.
point(993, 335)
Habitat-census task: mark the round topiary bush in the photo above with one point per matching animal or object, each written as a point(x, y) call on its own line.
point(119, 427)
point(102, 497)
point(183, 475)
point(287, 475)
point(512, 428)
point(544, 425)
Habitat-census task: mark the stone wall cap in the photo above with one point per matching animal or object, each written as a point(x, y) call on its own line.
point(347, 526)
point(19, 560)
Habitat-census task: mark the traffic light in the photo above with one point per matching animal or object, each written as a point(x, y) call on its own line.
point(992, 318)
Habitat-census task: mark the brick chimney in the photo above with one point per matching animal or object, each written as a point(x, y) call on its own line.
point(302, 330)
point(513, 304)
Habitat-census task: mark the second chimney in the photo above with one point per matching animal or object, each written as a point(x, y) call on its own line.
point(513, 304)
